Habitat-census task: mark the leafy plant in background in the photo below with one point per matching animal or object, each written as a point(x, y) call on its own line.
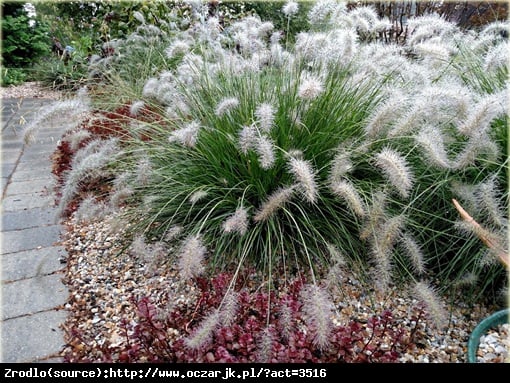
point(24, 41)
point(290, 21)
point(89, 28)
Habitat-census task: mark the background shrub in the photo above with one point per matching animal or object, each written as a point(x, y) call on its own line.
point(24, 42)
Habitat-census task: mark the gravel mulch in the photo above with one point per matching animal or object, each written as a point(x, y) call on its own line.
point(32, 89)
point(101, 282)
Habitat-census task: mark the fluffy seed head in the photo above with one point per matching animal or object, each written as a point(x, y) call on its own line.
point(382, 117)
point(382, 262)
point(88, 163)
point(77, 137)
point(414, 253)
point(78, 106)
point(324, 10)
point(237, 222)
point(317, 313)
point(273, 203)
point(136, 107)
point(497, 57)
point(265, 116)
point(143, 171)
point(432, 50)
point(376, 212)
point(290, 8)
point(305, 176)
point(197, 196)
point(202, 336)
point(473, 149)
point(396, 170)
point(265, 150)
point(187, 135)
point(482, 115)
point(490, 203)
point(285, 319)
point(345, 190)
point(389, 231)
point(172, 233)
point(340, 166)
point(336, 255)
point(179, 47)
point(265, 346)
point(138, 247)
point(468, 279)
point(426, 294)
point(311, 87)
point(226, 105)
point(139, 16)
point(247, 138)
point(191, 257)
point(150, 89)
point(120, 196)
point(431, 141)
point(90, 209)
point(228, 309)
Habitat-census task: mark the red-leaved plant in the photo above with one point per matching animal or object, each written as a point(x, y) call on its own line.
point(100, 125)
point(252, 338)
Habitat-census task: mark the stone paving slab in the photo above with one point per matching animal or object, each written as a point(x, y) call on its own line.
point(12, 135)
point(41, 153)
point(31, 253)
point(7, 168)
point(24, 175)
point(25, 201)
point(31, 338)
point(49, 135)
point(10, 145)
point(10, 155)
point(25, 219)
point(28, 187)
point(4, 183)
point(29, 296)
point(28, 239)
point(32, 263)
point(43, 164)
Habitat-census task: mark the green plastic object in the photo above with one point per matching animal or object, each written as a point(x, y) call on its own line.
point(491, 321)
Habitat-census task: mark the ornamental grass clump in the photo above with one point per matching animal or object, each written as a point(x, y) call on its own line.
point(261, 166)
point(271, 155)
point(281, 158)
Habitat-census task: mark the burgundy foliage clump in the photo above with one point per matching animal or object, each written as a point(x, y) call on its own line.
point(380, 339)
point(101, 125)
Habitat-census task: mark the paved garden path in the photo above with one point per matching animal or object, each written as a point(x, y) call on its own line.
point(32, 293)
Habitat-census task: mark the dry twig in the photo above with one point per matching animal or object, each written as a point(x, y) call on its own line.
point(483, 234)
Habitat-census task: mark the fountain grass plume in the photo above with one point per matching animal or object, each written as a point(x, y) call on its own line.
point(274, 202)
point(317, 313)
point(433, 305)
point(305, 176)
point(76, 108)
point(203, 334)
point(396, 170)
point(191, 257)
point(345, 190)
point(237, 222)
point(88, 164)
point(414, 253)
